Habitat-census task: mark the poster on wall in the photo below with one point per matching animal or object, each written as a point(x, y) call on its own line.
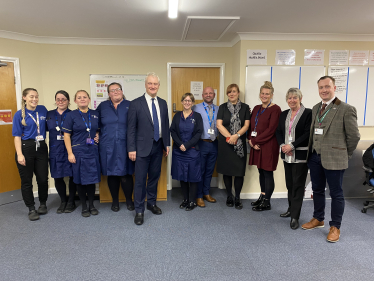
point(314, 57)
point(285, 57)
point(371, 58)
point(338, 57)
point(6, 117)
point(358, 57)
point(257, 57)
point(340, 73)
point(197, 89)
point(133, 86)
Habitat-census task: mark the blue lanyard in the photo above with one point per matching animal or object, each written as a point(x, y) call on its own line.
point(207, 113)
point(62, 121)
point(257, 116)
point(89, 121)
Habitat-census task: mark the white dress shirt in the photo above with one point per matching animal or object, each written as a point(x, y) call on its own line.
point(148, 98)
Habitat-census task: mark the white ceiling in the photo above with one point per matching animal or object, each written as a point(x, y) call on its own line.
point(147, 20)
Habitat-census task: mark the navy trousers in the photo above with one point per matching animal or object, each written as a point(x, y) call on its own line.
point(334, 178)
point(147, 166)
point(208, 156)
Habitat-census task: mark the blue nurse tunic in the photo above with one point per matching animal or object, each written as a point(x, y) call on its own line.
point(58, 156)
point(114, 160)
point(186, 164)
point(86, 170)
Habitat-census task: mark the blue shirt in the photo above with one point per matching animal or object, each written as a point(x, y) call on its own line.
point(200, 109)
point(56, 146)
point(31, 130)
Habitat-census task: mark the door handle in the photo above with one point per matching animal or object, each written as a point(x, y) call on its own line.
point(174, 107)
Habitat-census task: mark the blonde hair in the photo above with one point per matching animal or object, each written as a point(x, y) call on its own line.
point(79, 91)
point(188, 95)
point(267, 85)
point(24, 94)
point(230, 87)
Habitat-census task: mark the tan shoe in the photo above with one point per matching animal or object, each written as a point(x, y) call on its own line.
point(314, 223)
point(200, 202)
point(333, 235)
point(209, 198)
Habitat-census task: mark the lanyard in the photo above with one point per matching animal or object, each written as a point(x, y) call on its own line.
point(207, 113)
point(319, 120)
point(257, 116)
point(36, 121)
point(291, 121)
point(62, 121)
point(88, 127)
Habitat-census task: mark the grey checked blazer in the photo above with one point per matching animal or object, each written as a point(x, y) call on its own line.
point(340, 136)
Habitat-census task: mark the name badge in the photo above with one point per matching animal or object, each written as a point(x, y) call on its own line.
point(89, 141)
point(318, 131)
point(210, 131)
point(254, 134)
point(57, 128)
point(290, 138)
point(60, 137)
point(39, 138)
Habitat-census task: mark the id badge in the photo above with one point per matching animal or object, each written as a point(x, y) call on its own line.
point(39, 138)
point(290, 138)
point(254, 134)
point(318, 131)
point(89, 141)
point(60, 137)
point(57, 128)
point(210, 131)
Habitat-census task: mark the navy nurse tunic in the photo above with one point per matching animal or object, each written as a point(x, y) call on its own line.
point(58, 156)
point(86, 170)
point(186, 164)
point(114, 160)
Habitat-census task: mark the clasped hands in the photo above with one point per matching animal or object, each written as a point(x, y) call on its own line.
point(255, 147)
point(287, 149)
point(233, 139)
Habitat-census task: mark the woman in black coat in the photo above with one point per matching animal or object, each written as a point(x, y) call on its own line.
point(293, 137)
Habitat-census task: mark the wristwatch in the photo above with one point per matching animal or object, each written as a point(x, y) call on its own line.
point(238, 135)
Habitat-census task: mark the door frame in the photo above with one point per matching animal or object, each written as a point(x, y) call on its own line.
point(170, 65)
point(17, 76)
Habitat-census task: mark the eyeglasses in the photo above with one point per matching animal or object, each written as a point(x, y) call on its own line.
point(187, 101)
point(61, 100)
point(115, 90)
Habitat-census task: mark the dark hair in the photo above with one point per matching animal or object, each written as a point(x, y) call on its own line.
point(114, 83)
point(62, 92)
point(229, 88)
point(327, 77)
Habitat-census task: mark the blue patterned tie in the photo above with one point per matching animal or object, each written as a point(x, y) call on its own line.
point(155, 121)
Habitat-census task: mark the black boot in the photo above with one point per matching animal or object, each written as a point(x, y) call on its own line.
point(258, 201)
point(294, 224)
point(229, 201)
point(238, 204)
point(265, 205)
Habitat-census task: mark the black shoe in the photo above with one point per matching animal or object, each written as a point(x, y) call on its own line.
point(184, 204)
point(61, 209)
point(238, 204)
point(294, 224)
point(139, 219)
point(94, 211)
point(285, 215)
point(265, 205)
point(191, 206)
point(42, 210)
point(154, 209)
point(86, 213)
point(229, 201)
point(130, 206)
point(114, 208)
point(70, 207)
point(33, 215)
point(258, 201)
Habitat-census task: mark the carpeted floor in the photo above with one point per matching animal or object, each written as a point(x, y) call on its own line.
point(214, 243)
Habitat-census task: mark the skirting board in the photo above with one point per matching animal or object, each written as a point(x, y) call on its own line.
point(255, 195)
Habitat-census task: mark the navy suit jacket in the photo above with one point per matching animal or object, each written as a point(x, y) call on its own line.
point(140, 126)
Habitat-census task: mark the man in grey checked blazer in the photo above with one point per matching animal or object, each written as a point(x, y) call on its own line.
point(333, 138)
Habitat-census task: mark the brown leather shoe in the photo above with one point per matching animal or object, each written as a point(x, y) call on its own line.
point(333, 235)
point(209, 198)
point(314, 223)
point(200, 202)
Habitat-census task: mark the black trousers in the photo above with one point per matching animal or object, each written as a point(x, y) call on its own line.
point(267, 182)
point(36, 163)
point(295, 174)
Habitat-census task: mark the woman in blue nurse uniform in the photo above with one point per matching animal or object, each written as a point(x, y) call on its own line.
point(80, 127)
point(114, 160)
point(59, 164)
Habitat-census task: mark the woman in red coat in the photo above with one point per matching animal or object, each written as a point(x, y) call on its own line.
point(265, 149)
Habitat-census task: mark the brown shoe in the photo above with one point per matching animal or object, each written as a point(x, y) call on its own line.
point(200, 202)
point(314, 223)
point(209, 198)
point(333, 235)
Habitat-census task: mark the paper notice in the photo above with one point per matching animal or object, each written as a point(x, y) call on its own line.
point(371, 58)
point(257, 57)
point(358, 57)
point(338, 57)
point(340, 73)
point(314, 57)
point(285, 57)
point(6, 117)
point(197, 89)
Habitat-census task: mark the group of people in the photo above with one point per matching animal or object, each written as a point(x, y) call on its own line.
point(121, 138)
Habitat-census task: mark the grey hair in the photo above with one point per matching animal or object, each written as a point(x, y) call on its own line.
point(153, 75)
point(294, 92)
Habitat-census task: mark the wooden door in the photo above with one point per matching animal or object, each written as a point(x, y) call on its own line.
point(9, 177)
point(181, 78)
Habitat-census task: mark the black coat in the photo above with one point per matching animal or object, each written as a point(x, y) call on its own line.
point(302, 132)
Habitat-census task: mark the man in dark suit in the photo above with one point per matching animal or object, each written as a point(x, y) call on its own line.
point(333, 137)
point(148, 136)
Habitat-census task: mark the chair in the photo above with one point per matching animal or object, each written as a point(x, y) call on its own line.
point(370, 182)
